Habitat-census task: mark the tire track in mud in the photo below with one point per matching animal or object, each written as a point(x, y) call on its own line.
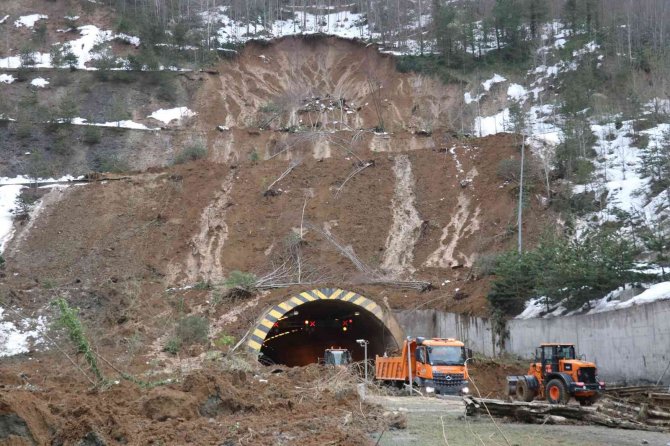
point(406, 226)
point(204, 261)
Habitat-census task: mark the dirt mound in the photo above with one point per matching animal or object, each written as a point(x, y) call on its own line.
point(490, 375)
point(270, 407)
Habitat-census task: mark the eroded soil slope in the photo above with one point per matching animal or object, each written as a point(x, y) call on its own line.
point(200, 221)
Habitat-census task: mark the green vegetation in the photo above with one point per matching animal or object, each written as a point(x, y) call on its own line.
point(192, 330)
point(241, 280)
point(63, 56)
point(572, 271)
point(192, 152)
point(172, 346)
point(110, 163)
point(92, 135)
point(69, 320)
point(224, 340)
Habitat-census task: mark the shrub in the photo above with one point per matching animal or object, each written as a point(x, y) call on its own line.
point(68, 109)
point(224, 341)
point(172, 346)
point(92, 135)
point(69, 320)
point(508, 169)
point(40, 33)
point(110, 163)
point(485, 264)
point(194, 151)
point(202, 285)
point(63, 56)
point(192, 330)
point(241, 280)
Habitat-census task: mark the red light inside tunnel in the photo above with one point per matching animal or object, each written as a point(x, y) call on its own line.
point(312, 324)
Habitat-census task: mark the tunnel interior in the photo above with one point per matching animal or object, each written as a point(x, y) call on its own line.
point(302, 335)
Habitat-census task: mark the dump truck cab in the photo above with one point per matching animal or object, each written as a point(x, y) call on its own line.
point(435, 365)
point(440, 365)
point(556, 374)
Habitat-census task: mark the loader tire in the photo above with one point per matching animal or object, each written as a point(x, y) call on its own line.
point(524, 392)
point(556, 392)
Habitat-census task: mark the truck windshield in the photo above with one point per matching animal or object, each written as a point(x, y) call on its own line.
point(444, 355)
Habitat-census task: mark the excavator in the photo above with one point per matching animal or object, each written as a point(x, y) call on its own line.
point(556, 375)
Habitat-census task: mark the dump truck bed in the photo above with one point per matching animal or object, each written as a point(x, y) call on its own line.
point(393, 368)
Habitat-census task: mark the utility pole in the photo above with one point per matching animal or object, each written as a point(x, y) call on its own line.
point(519, 219)
point(364, 343)
point(409, 363)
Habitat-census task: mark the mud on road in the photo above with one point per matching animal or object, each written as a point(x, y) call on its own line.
point(442, 421)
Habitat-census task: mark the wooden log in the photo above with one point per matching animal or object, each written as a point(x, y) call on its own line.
point(651, 411)
point(538, 412)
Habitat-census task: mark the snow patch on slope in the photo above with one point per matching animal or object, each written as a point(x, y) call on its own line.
point(125, 124)
point(168, 115)
point(29, 20)
point(39, 82)
point(496, 79)
point(18, 337)
point(7, 78)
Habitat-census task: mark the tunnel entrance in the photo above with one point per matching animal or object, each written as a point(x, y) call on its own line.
point(299, 330)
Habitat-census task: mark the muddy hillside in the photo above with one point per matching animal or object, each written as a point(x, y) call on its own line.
point(307, 153)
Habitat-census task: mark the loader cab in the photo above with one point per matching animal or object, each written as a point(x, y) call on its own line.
point(549, 357)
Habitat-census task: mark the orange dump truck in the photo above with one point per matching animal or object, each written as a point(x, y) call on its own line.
point(434, 365)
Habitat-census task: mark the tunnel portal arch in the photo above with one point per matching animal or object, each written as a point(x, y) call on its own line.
point(321, 298)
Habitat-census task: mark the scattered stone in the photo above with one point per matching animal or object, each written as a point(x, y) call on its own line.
point(12, 425)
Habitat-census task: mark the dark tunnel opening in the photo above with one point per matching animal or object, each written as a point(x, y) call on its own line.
point(302, 335)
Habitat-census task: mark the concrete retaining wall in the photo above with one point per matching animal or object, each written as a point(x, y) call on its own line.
point(629, 345)
point(475, 332)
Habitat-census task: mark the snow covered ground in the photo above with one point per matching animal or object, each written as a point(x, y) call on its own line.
point(7, 78)
point(19, 337)
point(8, 196)
point(619, 166)
point(29, 21)
point(85, 48)
point(125, 124)
point(168, 115)
point(10, 189)
point(39, 82)
point(616, 300)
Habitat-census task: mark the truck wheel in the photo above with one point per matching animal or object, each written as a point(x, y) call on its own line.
point(523, 391)
point(556, 392)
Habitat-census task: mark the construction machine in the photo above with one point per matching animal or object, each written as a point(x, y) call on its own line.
point(556, 375)
point(436, 365)
point(337, 357)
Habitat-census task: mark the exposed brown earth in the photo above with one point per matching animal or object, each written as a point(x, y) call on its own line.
point(124, 249)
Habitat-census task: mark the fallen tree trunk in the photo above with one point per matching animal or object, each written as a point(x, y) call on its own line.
point(537, 412)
